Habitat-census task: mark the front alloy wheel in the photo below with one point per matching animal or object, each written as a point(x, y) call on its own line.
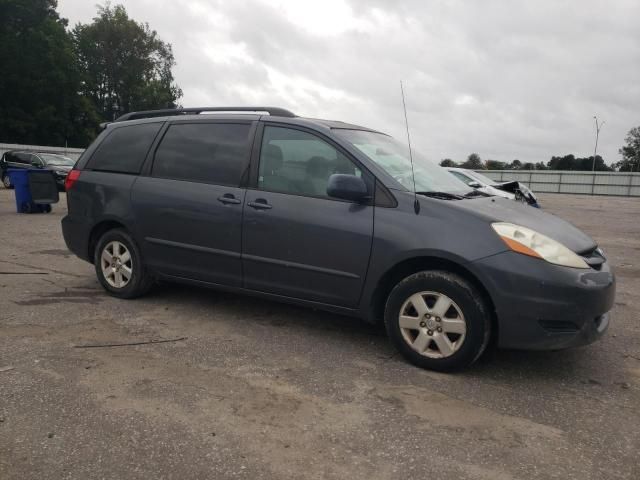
point(438, 320)
point(432, 324)
point(6, 181)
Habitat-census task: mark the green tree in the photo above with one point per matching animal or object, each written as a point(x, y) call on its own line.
point(562, 163)
point(630, 152)
point(126, 67)
point(540, 166)
point(447, 162)
point(495, 165)
point(39, 82)
point(473, 162)
point(587, 164)
point(515, 165)
point(570, 162)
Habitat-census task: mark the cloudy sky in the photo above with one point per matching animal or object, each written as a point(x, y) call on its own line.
point(504, 78)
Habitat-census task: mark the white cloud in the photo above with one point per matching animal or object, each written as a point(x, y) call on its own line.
point(505, 79)
point(465, 100)
point(321, 18)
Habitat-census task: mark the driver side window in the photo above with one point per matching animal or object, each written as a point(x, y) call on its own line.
point(299, 163)
point(23, 158)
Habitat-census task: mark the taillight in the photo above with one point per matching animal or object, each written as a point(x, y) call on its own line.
point(71, 179)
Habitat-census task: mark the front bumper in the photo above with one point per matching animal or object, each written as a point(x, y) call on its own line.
point(540, 306)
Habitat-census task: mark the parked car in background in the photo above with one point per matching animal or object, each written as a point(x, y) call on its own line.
point(58, 164)
point(511, 190)
point(336, 217)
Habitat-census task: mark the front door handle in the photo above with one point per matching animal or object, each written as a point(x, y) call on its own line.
point(260, 204)
point(228, 198)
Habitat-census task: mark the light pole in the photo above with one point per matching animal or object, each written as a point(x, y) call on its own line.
point(595, 150)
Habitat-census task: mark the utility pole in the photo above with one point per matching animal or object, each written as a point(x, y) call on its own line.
point(595, 150)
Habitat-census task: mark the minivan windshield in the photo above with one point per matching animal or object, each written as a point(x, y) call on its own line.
point(393, 157)
point(56, 160)
point(483, 178)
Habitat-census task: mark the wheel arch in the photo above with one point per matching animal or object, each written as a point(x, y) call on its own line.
point(413, 265)
point(100, 229)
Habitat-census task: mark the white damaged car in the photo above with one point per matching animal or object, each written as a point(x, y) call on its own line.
point(511, 190)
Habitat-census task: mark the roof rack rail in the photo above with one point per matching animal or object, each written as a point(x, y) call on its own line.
point(274, 111)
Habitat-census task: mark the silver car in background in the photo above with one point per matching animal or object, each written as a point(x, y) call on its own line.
point(511, 190)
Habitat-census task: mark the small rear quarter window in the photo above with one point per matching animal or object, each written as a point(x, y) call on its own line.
point(124, 149)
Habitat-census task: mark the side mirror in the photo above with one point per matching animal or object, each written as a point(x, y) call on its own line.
point(474, 184)
point(347, 187)
point(36, 163)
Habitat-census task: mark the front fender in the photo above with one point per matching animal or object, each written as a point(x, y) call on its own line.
point(441, 231)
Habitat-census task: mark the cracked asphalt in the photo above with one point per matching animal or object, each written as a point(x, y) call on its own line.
point(261, 390)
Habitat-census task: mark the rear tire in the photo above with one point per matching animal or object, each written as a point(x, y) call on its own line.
point(119, 265)
point(437, 320)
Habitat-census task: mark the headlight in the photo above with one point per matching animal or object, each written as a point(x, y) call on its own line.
point(529, 242)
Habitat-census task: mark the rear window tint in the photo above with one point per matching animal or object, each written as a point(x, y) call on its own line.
point(21, 158)
point(124, 149)
point(215, 153)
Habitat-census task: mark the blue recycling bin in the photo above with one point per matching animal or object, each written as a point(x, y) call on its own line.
point(25, 182)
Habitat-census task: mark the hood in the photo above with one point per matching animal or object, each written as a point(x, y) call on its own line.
point(497, 209)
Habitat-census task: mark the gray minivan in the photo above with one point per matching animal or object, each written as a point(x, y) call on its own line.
point(332, 216)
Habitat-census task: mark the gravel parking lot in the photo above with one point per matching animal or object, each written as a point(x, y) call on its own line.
point(263, 390)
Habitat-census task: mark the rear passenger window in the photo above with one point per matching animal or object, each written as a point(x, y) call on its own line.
point(215, 153)
point(124, 149)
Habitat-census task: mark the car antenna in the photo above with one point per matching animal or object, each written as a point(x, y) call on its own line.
point(416, 204)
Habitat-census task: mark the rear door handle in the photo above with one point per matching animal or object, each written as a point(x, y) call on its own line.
point(260, 204)
point(228, 198)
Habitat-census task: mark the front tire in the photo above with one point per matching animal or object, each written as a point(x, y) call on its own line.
point(119, 265)
point(437, 320)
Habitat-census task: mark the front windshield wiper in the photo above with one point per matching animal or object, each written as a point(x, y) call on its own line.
point(442, 195)
point(477, 193)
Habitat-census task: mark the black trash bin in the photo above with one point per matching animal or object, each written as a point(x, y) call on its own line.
point(43, 191)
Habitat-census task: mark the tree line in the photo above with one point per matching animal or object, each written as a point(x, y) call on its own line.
point(58, 84)
point(630, 161)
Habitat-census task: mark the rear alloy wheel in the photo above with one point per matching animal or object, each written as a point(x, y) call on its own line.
point(116, 264)
point(119, 265)
point(6, 181)
point(437, 320)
